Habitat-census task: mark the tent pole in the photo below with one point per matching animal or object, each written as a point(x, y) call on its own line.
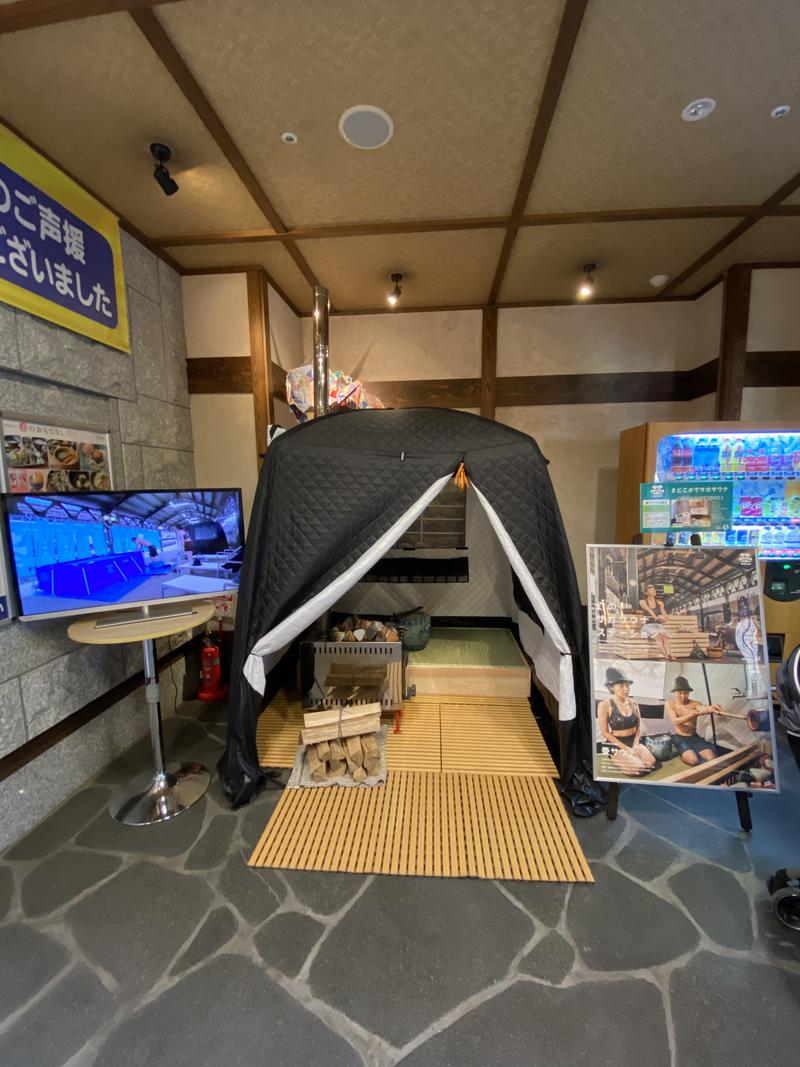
point(322, 307)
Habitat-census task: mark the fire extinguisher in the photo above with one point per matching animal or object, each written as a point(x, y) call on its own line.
point(212, 686)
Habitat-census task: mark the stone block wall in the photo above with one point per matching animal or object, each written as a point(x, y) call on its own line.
point(56, 376)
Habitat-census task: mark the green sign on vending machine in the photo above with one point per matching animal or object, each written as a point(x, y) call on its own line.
point(671, 506)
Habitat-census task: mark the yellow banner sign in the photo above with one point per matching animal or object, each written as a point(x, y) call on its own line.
point(60, 254)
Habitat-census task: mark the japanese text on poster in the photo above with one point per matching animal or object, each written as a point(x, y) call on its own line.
point(695, 506)
point(60, 254)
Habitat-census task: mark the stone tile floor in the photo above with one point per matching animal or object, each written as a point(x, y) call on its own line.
point(160, 946)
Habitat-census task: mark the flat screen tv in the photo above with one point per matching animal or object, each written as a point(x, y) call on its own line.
point(72, 553)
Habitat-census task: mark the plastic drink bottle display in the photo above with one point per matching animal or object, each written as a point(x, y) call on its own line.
point(713, 458)
point(700, 457)
point(687, 462)
point(776, 456)
point(677, 458)
point(664, 463)
point(725, 457)
point(737, 457)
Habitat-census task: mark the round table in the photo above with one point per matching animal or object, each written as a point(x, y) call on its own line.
point(169, 790)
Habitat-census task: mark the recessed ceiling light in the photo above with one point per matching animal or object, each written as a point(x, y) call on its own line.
point(658, 280)
point(365, 126)
point(289, 138)
point(698, 109)
point(779, 111)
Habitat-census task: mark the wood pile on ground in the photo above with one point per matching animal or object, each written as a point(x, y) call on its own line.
point(683, 632)
point(342, 741)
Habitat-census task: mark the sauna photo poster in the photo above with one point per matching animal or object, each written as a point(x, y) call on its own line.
point(680, 677)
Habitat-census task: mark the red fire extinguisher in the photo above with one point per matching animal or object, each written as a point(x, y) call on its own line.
point(212, 686)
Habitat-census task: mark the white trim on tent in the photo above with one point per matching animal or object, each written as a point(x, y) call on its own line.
point(285, 632)
point(542, 656)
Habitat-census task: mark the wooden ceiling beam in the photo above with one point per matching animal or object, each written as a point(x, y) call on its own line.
point(765, 209)
point(30, 14)
point(162, 45)
point(568, 30)
point(488, 222)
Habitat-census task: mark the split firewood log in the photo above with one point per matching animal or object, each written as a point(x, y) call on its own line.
point(358, 774)
point(336, 768)
point(337, 749)
point(315, 765)
point(353, 750)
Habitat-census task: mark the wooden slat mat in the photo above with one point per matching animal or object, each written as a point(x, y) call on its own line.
point(498, 738)
point(428, 823)
point(469, 734)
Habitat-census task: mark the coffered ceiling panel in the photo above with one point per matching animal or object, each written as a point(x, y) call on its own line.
point(460, 81)
point(93, 95)
point(272, 256)
point(769, 241)
point(439, 268)
point(618, 139)
point(546, 261)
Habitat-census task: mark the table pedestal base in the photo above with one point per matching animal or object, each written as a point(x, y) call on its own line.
point(149, 799)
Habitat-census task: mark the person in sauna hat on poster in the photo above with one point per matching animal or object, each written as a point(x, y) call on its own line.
point(620, 723)
point(684, 711)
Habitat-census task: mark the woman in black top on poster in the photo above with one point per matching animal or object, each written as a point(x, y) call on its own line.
point(620, 723)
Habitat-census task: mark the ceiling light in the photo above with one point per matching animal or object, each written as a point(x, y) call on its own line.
point(586, 288)
point(658, 280)
point(394, 295)
point(698, 109)
point(289, 138)
point(162, 154)
point(365, 126)
point(779, 111)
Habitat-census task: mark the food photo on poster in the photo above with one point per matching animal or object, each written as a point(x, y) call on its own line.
point(40, 458)
point(680, 681)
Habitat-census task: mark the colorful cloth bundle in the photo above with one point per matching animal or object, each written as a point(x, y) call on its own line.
point(343, 392)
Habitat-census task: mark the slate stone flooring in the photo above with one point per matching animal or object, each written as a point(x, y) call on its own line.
point(159, 945)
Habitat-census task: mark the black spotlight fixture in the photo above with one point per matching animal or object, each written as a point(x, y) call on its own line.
point(162, 154)
point(394, 295)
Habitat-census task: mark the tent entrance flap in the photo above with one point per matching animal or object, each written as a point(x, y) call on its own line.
point(285, 632)
point(551, 654)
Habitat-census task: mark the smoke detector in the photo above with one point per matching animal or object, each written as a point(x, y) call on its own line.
point(365, 126)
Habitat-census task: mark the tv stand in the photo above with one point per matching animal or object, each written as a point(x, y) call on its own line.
point(169, 789)
point(153, 613)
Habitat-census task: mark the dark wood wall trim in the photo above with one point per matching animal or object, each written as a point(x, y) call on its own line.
point(733, 343)
point(772, 369)
point(488, 361)
point(260, 358)
point(23, 755)
point(220, 374)
point(762, 369)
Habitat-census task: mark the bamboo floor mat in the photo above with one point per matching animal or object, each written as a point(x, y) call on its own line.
point(425, 823)
point(496, 735)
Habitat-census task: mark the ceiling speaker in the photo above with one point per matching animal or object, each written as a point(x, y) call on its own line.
point(364, 126)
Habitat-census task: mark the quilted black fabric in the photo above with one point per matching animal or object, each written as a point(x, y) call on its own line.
point(331, 487)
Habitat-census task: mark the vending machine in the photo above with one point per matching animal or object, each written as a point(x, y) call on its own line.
point(761, 464)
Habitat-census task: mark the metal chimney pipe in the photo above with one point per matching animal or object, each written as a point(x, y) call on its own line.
point(322, 308)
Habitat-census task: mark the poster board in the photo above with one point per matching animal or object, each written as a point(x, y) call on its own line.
point(37, 457)
point(60, 251)
point(679, 672)
point(670, 506)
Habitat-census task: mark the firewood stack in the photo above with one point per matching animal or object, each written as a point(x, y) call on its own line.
point(342, 740)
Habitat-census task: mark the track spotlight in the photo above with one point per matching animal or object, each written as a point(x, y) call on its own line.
point(162, 154)
point(586, 289)
point(394, 296)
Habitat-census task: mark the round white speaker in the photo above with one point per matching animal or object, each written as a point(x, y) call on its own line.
point(367, 127)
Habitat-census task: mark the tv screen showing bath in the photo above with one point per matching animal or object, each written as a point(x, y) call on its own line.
point(89, 552)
